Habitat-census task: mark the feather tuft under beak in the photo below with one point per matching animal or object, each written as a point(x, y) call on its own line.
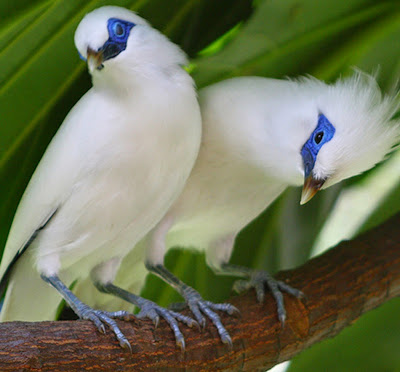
point(310, 188)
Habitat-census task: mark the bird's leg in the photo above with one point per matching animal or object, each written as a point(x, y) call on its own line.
point(149, 309)
point(196, 303)
point(98, 317)
point(259, 279)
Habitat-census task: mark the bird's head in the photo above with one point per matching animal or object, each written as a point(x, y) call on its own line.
point(113, 40)
point(352, 131)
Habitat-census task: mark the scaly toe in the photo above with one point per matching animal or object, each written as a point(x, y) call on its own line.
point(178, 306)
point(154, 312)
point(185, 319)
point(288, 289)
point(99, 317)
point(216, 320)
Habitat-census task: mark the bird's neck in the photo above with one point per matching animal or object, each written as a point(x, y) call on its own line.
point(258, 156)
point(146, 78)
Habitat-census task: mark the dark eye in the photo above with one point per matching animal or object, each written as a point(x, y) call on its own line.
point(318, 137)
point(119, 29)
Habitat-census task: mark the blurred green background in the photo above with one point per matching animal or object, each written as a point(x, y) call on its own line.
point(41, 77)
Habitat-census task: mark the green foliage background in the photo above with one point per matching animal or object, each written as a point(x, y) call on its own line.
point(41, 77)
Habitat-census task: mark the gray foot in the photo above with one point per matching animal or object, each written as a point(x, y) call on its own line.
point(99, 318)
point(259, 280)
point(151, 310)
point(199, 306)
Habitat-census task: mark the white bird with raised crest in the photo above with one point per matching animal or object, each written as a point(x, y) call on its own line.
point(261, 136)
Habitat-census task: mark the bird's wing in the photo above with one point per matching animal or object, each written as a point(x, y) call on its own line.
point(18, 254)
point(50, 184)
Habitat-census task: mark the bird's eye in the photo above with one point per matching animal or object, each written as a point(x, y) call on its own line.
point(119, 29)
point(318, 137)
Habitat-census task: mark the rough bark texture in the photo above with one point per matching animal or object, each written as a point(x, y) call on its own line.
point(340, 286)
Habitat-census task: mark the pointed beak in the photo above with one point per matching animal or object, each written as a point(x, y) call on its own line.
point(310, 188)
point(94, 59)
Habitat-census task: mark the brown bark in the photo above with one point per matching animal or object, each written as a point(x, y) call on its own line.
point(340, 286)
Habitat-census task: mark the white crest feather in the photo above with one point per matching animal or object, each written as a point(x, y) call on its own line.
point(363, 118)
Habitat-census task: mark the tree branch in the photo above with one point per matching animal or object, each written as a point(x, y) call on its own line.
point(340, 286)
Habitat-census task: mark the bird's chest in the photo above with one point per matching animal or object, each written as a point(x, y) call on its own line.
point(138, 137)
point(132, 172)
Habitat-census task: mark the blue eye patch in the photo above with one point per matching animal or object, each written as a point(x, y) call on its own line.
point(322, 134)
point(118, 32)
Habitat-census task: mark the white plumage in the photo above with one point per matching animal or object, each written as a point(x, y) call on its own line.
point(116, 165)
point(254, 130)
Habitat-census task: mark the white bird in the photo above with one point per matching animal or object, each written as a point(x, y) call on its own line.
point(116, 165)
point(261, 136)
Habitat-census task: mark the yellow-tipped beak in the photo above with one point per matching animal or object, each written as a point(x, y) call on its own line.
point(94, 59)
point(310, 188)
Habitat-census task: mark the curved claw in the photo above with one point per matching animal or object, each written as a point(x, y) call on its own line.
point(288, 289)
point(214, 317)
point(125, 345)
point(102, 329)
point(185, 319)
point(194, 308)
point(227, 341)
point(228, 308)
point(156, 321)
point(181, 344)
point(98, 317)
point(100, 326)
point(234, 311)
point(203, 324)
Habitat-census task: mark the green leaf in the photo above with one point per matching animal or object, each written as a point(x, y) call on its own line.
point(297, 37)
